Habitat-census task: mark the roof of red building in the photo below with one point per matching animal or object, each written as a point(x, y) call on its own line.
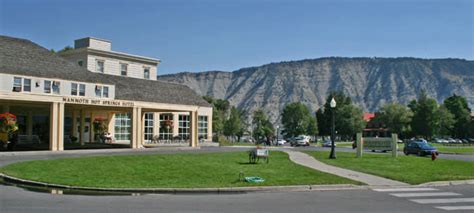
point(368, 116)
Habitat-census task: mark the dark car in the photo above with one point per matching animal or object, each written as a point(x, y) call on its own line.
point(419, 148)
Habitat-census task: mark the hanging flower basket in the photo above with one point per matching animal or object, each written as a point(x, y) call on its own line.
point(8, 125)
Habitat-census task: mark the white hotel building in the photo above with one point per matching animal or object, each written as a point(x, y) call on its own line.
point(57, 97)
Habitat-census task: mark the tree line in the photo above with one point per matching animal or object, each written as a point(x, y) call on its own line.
point(422, 117)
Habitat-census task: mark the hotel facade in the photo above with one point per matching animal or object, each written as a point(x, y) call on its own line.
point(63, 99)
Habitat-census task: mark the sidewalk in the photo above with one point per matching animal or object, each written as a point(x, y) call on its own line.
point(371, 180)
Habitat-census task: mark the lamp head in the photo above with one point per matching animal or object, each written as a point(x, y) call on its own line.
point(333, 103)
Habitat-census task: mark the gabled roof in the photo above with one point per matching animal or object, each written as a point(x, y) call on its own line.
point(23, 57)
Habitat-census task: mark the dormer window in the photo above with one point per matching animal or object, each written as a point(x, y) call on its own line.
point(100, 66)
point(82, 90)
point(146, 73)
point(17, 84)
point(101, 91)
point(78, 89)
point(98, 91)
point(27, 85)
point(123, 69)
point(105, 92)
point(56, 87)
point(47, 86)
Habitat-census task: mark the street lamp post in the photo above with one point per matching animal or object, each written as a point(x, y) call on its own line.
point(333, 127)
point(278, 128)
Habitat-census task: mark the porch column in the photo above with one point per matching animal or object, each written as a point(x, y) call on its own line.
point(83, 127)
point(111, 125)
point(29, 124)
point(175, 124)
point(142, 129)
point(56, 135)
point(156, 124)
point(193, 121)
point(136, 128)
point(60, 126)
point(209, 127)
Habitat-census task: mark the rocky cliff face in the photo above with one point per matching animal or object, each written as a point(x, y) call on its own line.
point(371, 82)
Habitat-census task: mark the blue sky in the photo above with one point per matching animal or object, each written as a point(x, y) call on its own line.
point(227, 35)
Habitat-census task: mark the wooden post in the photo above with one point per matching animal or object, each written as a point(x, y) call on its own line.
point(53, 126)
point(394, 145)
point(360, 145)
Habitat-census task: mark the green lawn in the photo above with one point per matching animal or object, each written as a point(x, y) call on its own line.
point(409, 169)
point(170, 171)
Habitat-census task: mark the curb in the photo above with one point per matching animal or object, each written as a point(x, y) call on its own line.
point(223, 190)
point(297, 188)
point(448, 183)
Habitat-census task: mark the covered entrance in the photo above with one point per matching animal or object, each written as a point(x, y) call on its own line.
point(65, 126)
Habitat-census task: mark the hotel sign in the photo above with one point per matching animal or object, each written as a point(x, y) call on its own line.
point(99, 102)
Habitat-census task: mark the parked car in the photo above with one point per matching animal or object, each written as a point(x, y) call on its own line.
point(301, 140)
point(440, 140)
point(281, 142)
point(454, 140)
point(328, 143)
point(419, 148)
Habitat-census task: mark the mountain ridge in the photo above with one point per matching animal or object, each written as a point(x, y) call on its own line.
point(369, 81)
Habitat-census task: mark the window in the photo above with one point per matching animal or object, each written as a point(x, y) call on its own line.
point(202, 127)
point(149, 126)
point(146, 73)
point(166, 126)
point(74, 89)
point(27, 85)
point(56, 87)
point(101, 91)
point(100, 66)
point(47, 86)
point(123, 69)
point(17, 84)
point(106, 92)
point(183, 126)
point(80, 63)
point(98, 91)
point(122, 126)
point(82, 90)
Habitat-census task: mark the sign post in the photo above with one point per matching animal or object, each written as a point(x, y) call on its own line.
point(394, 145)
point(359, 144)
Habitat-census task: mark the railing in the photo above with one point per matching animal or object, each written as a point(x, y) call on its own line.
point(27, 139)
point(162, 141)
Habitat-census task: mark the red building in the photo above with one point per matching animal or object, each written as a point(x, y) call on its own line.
point(373, 127)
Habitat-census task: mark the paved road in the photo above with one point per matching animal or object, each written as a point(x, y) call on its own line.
point(13, 199)
point(348, 149)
